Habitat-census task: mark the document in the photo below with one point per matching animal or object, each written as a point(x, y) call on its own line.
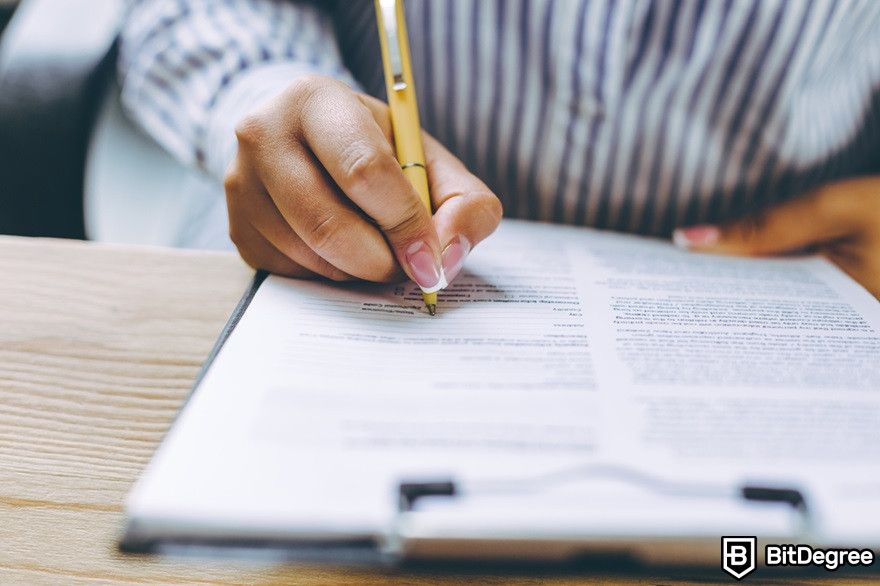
point(557, 349)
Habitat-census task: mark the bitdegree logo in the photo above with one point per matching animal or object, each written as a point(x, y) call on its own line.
point(789, 554)
point(739, 559)
point(738, 555)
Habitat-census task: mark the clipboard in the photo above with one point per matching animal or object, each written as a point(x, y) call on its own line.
point(356, 550)
point(649, 520)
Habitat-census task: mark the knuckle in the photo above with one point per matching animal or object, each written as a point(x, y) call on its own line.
point(232, 182)
point(360, 162)
point(409, 220)
point(251, 130)
point(307, 91)
point(307, 85)
point(325, 235)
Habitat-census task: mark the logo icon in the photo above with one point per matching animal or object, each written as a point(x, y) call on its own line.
point(738, 555)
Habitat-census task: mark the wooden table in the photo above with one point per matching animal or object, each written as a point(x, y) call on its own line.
point(98, 346)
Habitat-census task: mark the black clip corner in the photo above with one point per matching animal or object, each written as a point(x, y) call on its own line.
point(410, 492)
point(791, 496)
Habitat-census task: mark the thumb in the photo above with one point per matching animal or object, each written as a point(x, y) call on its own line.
point(815, 218)
point(466, 210)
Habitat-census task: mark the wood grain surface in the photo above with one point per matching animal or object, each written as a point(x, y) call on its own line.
point(98, 346)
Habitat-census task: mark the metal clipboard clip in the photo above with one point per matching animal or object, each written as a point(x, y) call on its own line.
point(635, 515)
point(391, 32)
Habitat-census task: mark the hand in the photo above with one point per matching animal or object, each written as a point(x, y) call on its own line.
point(840, 220)
point(315, 190)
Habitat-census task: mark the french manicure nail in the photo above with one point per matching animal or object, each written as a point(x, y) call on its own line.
point(425, 269)
point(696, 236)
point(453, 256)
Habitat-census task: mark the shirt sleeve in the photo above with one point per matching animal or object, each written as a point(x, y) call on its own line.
point(191, 69)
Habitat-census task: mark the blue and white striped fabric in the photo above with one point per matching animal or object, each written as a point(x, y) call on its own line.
point(636, 115)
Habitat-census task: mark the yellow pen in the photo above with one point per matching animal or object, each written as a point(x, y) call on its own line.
point(402, 104)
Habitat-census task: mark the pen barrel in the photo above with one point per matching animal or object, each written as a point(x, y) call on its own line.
point(402, 102)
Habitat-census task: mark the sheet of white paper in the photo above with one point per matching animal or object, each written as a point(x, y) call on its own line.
point(558, 348)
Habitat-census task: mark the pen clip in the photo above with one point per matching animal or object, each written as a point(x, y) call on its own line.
point(392, 38)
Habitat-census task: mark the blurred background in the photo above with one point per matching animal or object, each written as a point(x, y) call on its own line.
point(71, 164)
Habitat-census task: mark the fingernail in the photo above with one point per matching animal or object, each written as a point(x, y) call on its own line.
point(423, 266)
point(453, 257)
point(696, 236)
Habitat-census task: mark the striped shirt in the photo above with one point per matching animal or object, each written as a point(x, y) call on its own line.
point(635, 115)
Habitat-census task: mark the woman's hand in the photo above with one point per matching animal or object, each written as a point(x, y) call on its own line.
point(840, 220)
point(315, 189)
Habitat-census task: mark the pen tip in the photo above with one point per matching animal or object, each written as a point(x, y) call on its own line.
point(432, 309)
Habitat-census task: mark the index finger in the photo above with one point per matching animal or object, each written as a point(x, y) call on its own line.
point(342, 133)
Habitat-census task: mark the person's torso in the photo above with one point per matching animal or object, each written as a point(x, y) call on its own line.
point(641, 115)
